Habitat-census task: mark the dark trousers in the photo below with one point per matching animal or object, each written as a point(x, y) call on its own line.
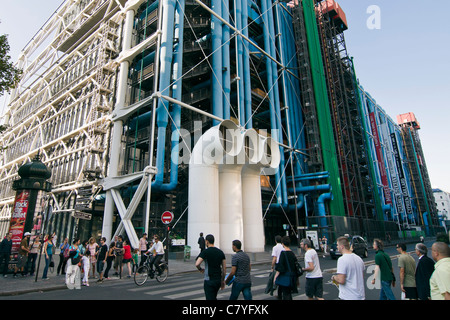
point(156, 260)
point(62, 265)
point(4, 258)
point(211, 288)
point(109, 261)
point(31, 263)
point(286, 293)
point(143, 258)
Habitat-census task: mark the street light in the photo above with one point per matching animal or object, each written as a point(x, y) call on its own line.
point(31, 191)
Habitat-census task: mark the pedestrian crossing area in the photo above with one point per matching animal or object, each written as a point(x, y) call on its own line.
point(190, 287)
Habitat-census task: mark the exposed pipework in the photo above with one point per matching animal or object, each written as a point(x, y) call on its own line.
point(176, 109)
point(321, 209)
point(166, 57)
point(262, 156)
point(217, 77)
point(219, 188)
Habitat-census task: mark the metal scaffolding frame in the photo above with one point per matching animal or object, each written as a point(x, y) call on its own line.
point(61, 106)
point(348, 131)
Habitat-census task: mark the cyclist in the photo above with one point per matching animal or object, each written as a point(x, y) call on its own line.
point(158, 253)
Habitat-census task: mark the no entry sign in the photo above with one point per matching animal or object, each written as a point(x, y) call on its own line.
point(167, 217)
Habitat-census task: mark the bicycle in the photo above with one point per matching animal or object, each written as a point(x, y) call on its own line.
point(143, 272)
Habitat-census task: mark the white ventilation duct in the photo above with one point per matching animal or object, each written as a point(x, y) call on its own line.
point(207, 155)
point(263, 153)
point(225, 186)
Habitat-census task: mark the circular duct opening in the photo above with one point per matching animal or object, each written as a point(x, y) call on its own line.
point(270, 153)
point(230, 138)
point(252, 151)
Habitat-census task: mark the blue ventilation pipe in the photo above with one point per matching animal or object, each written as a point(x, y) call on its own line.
point(274, 112)
point(289, 99)
point(276, 94)
point(246, 65)
point(226, 61)
point(217, 76)
point(322, 212)
point(167, 52)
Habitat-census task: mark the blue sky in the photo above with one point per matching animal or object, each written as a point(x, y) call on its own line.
point(404, 65)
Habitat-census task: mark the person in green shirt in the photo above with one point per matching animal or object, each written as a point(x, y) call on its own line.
point(384, 268)
point(440, 279)
point(407, 266)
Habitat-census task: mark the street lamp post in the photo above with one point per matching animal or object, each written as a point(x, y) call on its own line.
point(30, 200)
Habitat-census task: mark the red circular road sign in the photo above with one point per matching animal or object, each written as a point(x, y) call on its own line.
point(167, 217)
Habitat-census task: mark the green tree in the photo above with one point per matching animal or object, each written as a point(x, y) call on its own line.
point(9, 75)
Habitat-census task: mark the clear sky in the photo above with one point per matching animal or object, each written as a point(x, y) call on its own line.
point(404, 63)
point(405, 66)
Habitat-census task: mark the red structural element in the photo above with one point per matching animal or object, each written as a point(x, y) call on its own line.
point(408, 119)
point(335, 11)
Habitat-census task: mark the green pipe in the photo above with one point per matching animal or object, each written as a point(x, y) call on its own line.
point(323, 108)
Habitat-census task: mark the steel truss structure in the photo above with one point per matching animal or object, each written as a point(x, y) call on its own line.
point(112, 90)
point(61, 106)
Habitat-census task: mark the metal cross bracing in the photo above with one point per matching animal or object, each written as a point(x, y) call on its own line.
point(196, 100)
point(78, 107)
point(349, 135)
point(60, 108)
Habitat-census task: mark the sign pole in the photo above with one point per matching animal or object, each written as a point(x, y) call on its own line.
point(167, 218)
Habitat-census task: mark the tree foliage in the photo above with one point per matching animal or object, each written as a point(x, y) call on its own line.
point(9, 75)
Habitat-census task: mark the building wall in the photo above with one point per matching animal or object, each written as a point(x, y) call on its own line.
point(112, 88)
point(442, 199)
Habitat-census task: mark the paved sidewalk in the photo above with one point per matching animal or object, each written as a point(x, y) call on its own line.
point(20, 285)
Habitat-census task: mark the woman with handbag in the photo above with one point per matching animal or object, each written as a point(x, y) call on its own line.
point(73, 277)
point(286, 276)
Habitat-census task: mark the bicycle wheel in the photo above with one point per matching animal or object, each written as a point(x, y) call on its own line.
point(162, 276)
point(141, 275)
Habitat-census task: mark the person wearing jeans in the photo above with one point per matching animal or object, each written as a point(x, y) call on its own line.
point(216, 266)
point(48, 249)
point(384, 267)
point(240, 269)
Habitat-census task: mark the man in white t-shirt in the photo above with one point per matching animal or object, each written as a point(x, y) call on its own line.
point(350, 273)
point(314, 278)
point(276, 251)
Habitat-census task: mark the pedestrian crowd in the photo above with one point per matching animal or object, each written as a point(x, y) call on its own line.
point(429, 279)
point(78, 261)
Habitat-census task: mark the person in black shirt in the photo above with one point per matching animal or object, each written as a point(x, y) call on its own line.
point(286, 276)
point(215, 268)
point(101, 258)
point(5, 252)
point(201, 242)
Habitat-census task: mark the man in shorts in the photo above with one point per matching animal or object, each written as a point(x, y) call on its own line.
point(350, 273)
point(314, 278)
point(407, 266)
point(22, 257)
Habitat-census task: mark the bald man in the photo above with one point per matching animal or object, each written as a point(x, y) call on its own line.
point(440, 280)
